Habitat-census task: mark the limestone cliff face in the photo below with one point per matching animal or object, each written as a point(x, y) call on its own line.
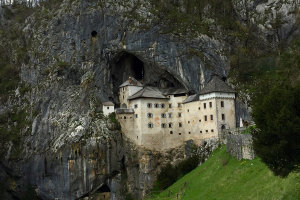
point(79, 53)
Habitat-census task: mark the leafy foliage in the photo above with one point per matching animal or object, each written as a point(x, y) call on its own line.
point(169, 174)
point(275, 101)
point(277, 114)
point(113, 120)
point(11, 124)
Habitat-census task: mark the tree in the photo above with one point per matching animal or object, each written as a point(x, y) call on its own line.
point(276, 112)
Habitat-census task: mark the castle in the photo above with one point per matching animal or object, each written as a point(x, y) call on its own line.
point(160, 119)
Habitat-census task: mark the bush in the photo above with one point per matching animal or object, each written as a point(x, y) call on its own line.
point(249, 130)
point(277, 116)
point(170, 174)
point(113, 120)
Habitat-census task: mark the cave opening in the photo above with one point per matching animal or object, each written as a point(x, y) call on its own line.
point(103, 188)
point(126, 65)
point(103, 193)
point(94, 33)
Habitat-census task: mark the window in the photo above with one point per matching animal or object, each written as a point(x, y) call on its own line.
point(205, 117)
point(170, 115)
point(222, 104)
point(188, 122)
point(162, 105)
point(210, 104)
point(163, 125)
point(136, 115)
point(211, 117)
point(179, 105)
point(206, 131)
point(107, 108)
point(189, 132)
point(204, 105)
point(149, 105)
point(156, 105)
point(199, 120)
point(123, 96)
point(171, 132)
point(163, 115)
point(124, 117)
point(170, 125)
point(198, 108)
point(212, 130)
point(179, 133)
point(188, 110)
point(200, 131)
point(223, 116)
point(149, 115)
point(180, 124)
point(135, 105)
point(150, 125)
point(179, 114)
point(170, 105)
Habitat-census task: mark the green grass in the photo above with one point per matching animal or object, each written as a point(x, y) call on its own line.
point(224, 177)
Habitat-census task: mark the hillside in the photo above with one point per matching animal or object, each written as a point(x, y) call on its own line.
point(224, 177)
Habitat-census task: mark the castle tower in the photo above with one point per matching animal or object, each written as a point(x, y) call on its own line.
point(128, 88)
point(218, 101)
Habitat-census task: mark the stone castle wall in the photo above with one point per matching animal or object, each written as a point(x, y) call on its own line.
point(240, 146)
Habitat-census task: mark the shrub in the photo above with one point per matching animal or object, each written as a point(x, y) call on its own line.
point(249, 130)
point(277, 115)
point(115, 123)
point(170, 174)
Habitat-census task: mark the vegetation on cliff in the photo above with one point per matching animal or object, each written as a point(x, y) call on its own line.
point(223, 177)
point(273, 85)
point(14, 120)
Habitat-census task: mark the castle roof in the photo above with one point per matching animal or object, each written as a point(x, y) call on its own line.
point(132, 82)
point(192, 98)
point(124, 111)
point(157, 93)
point(172, 91)
point(108, 103)
point(148, 92)
point(216, 85)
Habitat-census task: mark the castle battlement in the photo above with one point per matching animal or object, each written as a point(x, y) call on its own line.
point(161, 119)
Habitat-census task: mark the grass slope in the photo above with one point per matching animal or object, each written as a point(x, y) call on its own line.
point(224, 177)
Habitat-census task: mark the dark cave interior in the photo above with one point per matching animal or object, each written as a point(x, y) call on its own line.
point(128, 65)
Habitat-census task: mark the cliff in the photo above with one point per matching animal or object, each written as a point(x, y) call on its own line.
point(62, 59)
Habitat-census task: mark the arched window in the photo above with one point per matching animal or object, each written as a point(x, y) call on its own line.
point(149, 115)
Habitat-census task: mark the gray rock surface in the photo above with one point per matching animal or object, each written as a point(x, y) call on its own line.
point(240, 146)
point(79, 53)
